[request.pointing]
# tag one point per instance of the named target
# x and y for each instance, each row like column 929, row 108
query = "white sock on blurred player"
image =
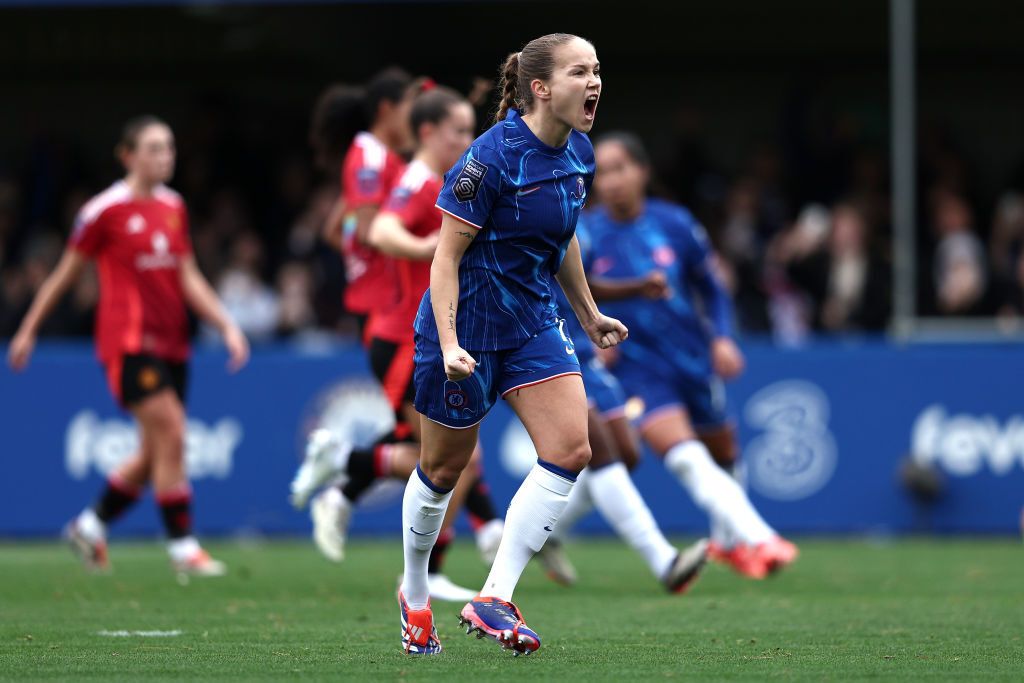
column 181, row 549
column 91, row 526
column 621, row 505
column 580, row 505
column 423, row 508
column 715, row 492
column 531, row 516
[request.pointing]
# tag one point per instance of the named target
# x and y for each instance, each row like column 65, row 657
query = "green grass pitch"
column 888, row 611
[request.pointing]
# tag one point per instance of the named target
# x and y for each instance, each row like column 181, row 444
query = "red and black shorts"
column 134, row 377
column 393, row 366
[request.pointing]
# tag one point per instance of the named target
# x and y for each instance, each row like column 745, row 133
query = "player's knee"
column 629, row 453
column 723, row 449
column 168, row 428
column 577, row 457
column 443, row 474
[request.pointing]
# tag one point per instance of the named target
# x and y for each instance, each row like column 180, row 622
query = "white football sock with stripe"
column 423, row 509
column 531, row 517
column 621, row 505
column 715, row 492
column 580, row 505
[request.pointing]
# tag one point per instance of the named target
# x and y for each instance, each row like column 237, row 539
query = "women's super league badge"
column 467, row 183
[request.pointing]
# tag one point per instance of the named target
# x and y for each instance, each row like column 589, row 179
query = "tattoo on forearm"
column 451, row 315
column 467, row 235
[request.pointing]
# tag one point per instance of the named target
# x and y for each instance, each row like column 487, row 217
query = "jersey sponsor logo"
column 467, row 183
column 161, row 257
column 522, row 192
column 135, row 224
column 796, row 455
column 964, row 445
column 102, row 445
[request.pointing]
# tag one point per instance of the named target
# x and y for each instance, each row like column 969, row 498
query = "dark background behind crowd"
column 769, row 120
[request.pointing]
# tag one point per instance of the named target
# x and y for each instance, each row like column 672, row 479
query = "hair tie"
column 428, row 84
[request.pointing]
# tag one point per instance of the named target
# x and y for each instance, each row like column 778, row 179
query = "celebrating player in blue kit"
column 651, row 264
column 488, row 325
column 606, row 484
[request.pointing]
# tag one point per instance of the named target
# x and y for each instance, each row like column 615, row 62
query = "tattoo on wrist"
column 463, row 233
column 451, row 315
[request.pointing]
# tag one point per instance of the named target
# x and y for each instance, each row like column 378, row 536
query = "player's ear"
column 540, row 89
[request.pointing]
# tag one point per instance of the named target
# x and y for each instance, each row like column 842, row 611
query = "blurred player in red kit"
column 137, row 232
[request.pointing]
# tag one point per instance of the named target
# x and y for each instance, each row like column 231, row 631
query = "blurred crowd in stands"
column 802, row 228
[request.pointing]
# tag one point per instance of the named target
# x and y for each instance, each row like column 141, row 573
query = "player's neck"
column 547, row 128
column 428, row 159
column 139, row 187
column 380, row 131
column 624, row 213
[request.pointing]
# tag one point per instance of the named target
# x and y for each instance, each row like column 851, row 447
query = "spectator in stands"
column 844, row 277
column 249, row 302
column 959, row 269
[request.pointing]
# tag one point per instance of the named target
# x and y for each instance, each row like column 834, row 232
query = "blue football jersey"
column 523, row 197
column 677, row 329
column 584, row 347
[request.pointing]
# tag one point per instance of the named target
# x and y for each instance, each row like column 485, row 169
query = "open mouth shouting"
column 590, row 107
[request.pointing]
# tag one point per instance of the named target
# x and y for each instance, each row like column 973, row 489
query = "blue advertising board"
column 824, row 431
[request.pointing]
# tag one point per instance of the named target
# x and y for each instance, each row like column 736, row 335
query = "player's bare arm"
column 603, row 331
column 64, row 275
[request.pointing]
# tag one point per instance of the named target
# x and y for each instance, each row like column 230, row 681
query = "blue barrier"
column 823, row 432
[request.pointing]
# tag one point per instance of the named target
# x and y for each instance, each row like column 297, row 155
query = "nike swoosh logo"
column 523, row 193
column 547, row 528
column 418, row 533
column 570, row 351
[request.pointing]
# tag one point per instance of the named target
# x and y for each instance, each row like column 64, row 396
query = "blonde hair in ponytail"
column 535, row 61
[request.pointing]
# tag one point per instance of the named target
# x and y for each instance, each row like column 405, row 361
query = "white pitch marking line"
column 140, row 634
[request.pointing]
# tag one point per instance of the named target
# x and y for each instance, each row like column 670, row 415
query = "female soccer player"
column 488, row 326
column 389, row 339
column 372, row 126
column 137, row 231
column 369, row 128
column 606, row 484
column 680, row 346
column 406, row 230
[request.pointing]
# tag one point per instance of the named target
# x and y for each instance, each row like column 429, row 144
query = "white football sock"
column 423, row 511
column 531, row 516
column 180, row 549
column 620, row 504
column 715, row 492
column 580, row 505
column 91, row 526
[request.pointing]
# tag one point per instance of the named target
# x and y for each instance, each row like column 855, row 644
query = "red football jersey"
column 368, row 175
column 413, row 202
column 138, row 244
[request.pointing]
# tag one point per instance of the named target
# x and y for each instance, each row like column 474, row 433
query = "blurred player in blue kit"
column 606, row 484
column 651, row 263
